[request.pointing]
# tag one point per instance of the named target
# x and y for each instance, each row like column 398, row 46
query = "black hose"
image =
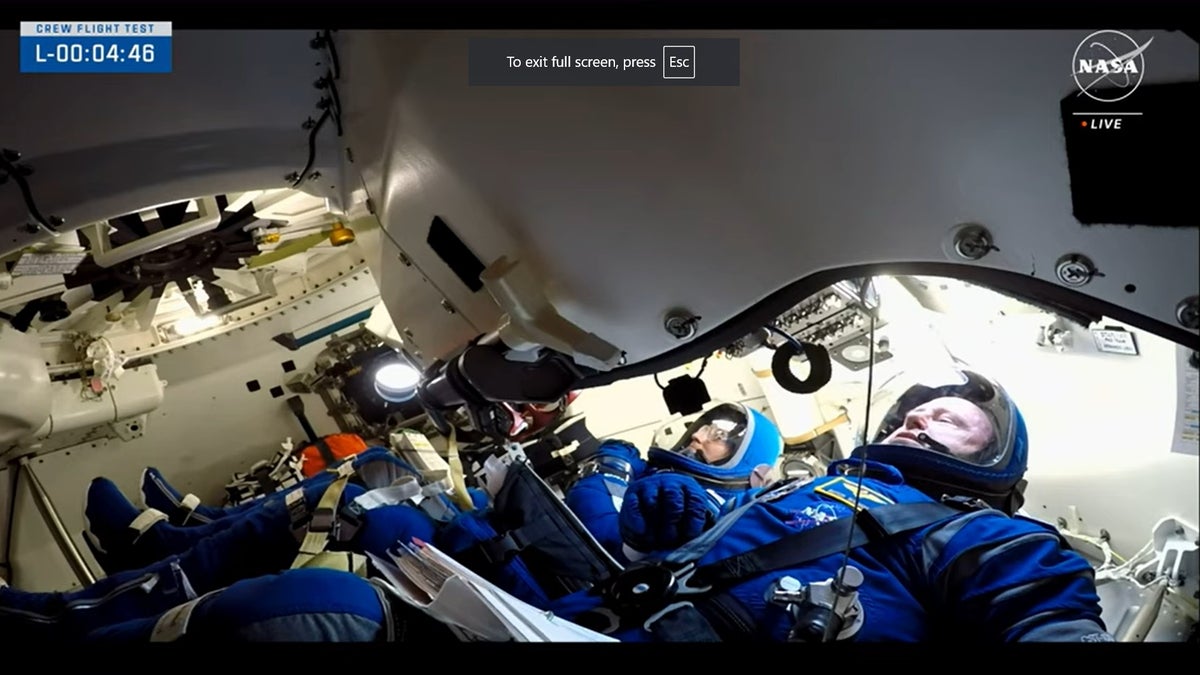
column 18, row 175
column 312, row 148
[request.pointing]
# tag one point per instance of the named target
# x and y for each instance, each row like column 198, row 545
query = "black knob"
column 814, row 623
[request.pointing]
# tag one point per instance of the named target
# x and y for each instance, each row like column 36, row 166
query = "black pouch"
column 538, row 527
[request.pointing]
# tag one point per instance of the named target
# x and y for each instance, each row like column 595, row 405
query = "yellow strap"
column 314, row 542
column 809, row 435
column 459, row 494
column 343, row 561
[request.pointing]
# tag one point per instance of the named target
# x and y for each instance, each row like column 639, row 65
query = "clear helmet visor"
column 957, row 413
column 714, row 437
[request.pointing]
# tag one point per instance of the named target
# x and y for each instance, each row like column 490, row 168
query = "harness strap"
column 173, row 623
column 682, row 622
column 144, row 521
column 326, row 453
column 501, row 549
column 189, row 502
column 459, row 494
column 708, row 608
column 818, row 542
column 321, row 523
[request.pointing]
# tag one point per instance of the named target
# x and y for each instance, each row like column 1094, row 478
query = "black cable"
column 862, row 470
column 703, row 365
column 333, row 55
column 335, row 67
column 312, row 148
column 786, row 335
column 18, row 174
column 337, row 106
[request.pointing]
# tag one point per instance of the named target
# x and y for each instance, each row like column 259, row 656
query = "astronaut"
column 373, row 468
column 913, row 538
column 728, row 449
column 247, row 576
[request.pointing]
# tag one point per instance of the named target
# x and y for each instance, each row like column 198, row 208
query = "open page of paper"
column 537, row 625
column 456, row 604
column 1186, row 439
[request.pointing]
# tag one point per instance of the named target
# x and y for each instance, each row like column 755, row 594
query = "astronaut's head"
column 957, row 426
column 729, row 444
column 958, row 434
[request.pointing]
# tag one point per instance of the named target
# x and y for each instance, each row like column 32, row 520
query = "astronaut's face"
column 956, row 423
column 711, row 444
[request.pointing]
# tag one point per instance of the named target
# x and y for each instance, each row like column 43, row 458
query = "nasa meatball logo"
column 1108, row 65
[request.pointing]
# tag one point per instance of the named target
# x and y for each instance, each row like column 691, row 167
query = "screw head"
column 973, row 242
column 1187, row 312
column 681, row 324
column 1074, row 269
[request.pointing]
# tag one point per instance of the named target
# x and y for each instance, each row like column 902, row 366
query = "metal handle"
column 57, row 529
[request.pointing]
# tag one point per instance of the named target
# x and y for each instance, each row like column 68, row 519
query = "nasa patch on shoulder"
column 1097, row 637
column 852, row 493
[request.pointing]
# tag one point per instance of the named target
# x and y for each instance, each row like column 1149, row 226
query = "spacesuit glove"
column 663, row 511
column 625, row 451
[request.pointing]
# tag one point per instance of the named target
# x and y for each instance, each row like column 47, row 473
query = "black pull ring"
column 818, row 359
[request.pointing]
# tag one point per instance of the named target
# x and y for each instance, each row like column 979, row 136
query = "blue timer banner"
column 95, row 47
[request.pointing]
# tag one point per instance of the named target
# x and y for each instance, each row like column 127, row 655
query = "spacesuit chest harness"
column 680, row 601
column 328, row 523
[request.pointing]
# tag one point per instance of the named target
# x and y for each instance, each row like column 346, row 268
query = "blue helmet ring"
column 723, row 446
column 958, row 435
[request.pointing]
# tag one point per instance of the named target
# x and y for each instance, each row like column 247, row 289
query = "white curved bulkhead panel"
column 223, row 120
column 837, row 148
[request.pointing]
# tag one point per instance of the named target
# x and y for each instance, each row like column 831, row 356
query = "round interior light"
column 856, row 353
column 397, row 382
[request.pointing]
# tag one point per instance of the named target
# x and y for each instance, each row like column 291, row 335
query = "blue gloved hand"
column 665, row 510
column 623, row 450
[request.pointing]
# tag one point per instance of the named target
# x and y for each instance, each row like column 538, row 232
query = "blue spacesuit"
column 374, row 467
column 727, row 450
column 913, row 538
column 229, row 578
